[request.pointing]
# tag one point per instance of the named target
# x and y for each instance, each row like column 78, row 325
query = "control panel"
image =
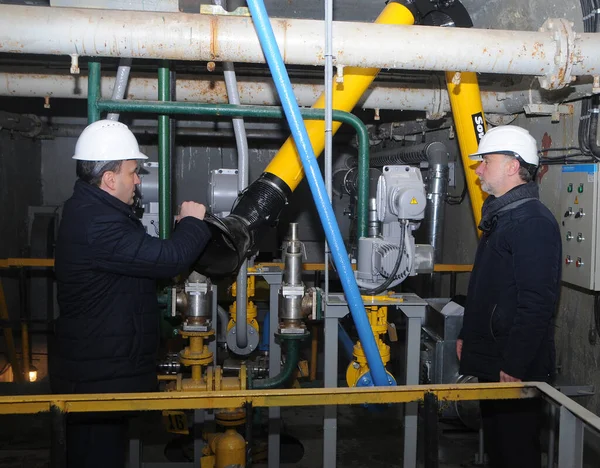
column 579, row 225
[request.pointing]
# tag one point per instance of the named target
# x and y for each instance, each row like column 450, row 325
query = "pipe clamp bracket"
column 564, row 37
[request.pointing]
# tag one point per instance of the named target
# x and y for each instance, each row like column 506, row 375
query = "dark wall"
column 20, row 187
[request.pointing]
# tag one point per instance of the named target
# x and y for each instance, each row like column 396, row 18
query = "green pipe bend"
column 230, row 110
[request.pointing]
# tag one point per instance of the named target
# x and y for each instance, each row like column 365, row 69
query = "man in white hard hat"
column 107, row 334
column 508, row 327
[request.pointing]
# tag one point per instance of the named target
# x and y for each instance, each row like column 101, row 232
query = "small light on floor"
column 32, row 374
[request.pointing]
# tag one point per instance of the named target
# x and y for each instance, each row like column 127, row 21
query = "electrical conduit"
column 311, row 168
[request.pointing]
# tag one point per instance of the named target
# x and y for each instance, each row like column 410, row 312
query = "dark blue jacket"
column 106, row 270
column 512, row 297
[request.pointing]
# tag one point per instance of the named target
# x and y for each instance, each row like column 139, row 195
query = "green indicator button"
column 580, row 188
column 570, row 188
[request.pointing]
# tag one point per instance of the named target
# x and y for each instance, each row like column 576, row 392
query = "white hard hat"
column 107, row 140
column 509, row 139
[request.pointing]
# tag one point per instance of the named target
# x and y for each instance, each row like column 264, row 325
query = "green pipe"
column 291, row 362
column 164, row 156
column 93, row 91
column 269, row 112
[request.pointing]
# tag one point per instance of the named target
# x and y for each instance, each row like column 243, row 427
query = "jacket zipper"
column 491, row 321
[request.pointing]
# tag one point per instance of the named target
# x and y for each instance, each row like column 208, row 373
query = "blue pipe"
column 317, row 187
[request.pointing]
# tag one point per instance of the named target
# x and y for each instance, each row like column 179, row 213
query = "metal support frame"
column 273, row 276
column 570, row 440
column 413, row 308
column 431, row 442
column 333, row 312
column 58, row 447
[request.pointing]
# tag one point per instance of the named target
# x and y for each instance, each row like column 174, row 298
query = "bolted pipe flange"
column 435, row 110
column 564, row 37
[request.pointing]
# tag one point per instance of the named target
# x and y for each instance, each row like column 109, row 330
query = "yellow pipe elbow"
column 467, row 111
column 287, row 164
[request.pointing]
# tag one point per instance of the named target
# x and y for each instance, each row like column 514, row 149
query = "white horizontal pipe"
column 180, row 36
column 261, row 91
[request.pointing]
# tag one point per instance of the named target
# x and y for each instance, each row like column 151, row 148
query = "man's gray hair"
column 92, row 171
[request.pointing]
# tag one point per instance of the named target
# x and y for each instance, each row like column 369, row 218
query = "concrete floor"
column 365, row 439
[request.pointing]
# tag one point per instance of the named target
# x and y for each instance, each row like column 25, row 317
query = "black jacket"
column 512, row 297
column 106, row 270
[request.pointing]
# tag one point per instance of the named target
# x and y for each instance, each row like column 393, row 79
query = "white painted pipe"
column 180, row 36
column 261, row 91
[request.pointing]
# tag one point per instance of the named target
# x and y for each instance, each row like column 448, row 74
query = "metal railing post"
column 570, row 440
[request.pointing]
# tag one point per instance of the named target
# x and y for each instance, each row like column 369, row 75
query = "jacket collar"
column 84, row 190
column 492, row 206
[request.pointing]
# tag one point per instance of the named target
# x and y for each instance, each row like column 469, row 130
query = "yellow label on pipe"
column 287, row 164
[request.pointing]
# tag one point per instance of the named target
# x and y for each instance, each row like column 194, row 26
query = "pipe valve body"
column 357, row 373
column 292, row 291
column 194, row 303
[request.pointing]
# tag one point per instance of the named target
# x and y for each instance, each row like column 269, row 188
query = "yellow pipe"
column 196, row 345
column 439, row 267
column 287, row 165
column 8, row 337
column 196, row 373
column 26, row 262
column 452, row 268
column 229, row 449
column 167, row 378
column 467, row 111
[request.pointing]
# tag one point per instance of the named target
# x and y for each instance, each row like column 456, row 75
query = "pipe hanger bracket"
column 564, row 36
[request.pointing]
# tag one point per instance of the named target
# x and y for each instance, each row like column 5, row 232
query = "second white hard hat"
column 107, row 140
column 508, row 139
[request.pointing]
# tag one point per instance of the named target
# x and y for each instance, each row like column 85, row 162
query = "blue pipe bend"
column 317, row 187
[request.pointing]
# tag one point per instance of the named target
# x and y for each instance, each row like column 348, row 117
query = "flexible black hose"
column 588, row 121
column 593, row 128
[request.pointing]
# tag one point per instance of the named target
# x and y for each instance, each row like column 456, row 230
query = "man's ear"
column 513, row 167
column 109, row 180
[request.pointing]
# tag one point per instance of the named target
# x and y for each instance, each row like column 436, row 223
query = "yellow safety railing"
column 30, row 404
column 572, row 416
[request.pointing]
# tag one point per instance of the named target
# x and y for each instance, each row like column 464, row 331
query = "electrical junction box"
column 579, row 225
